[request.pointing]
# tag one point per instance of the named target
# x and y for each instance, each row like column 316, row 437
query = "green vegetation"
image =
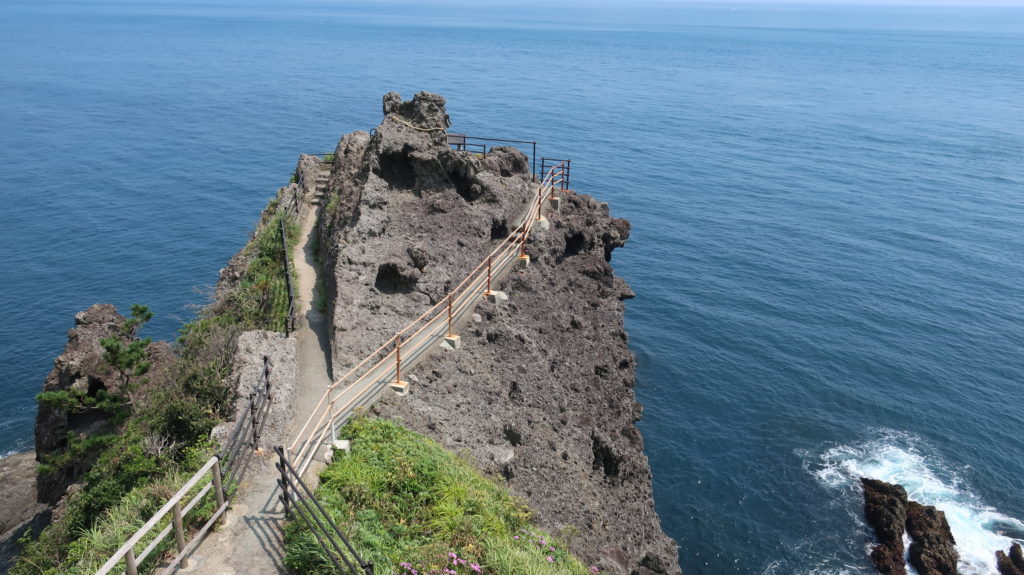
column 159, row 433
column 410, row 506
column 328, row 158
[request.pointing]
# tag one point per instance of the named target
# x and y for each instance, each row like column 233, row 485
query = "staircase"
column 322, row 178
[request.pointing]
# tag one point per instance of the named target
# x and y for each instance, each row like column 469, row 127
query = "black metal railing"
column 480, row 145
column 299, row 502
column 289, row 321
column 562, row 171
column 248, row 428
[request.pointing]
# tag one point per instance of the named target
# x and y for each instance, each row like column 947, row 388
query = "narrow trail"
column 250, row 540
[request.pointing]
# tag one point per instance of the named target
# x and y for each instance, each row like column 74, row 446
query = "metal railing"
column 478, row 144
column 299, row 502
column 222, row 482
column 289, row 321
column 562, row 169
column 383, row 367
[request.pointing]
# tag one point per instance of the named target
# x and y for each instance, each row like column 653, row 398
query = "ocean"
column 827, row 207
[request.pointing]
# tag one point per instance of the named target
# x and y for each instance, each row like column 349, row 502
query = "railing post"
column 255, row 423
column 218, row 486
column 368, row 568
column 179, row 533
column 565, row 180
column 450, row 334
column 330, row 410
column 533, row 158
column 489, row 259
column 398, row 358
column 282, row 481
column 130, row 566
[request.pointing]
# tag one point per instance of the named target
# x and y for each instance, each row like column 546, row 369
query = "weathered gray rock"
column 21, row 511
column 885, row 507
column 533, row 396
column 932, row 547
column 246, row 372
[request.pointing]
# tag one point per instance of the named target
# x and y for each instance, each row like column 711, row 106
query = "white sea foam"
column 979, row 530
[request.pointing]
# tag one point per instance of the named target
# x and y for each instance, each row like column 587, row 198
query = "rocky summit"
column 541, row 394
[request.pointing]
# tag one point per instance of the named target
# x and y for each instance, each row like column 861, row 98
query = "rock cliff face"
column 541, row 393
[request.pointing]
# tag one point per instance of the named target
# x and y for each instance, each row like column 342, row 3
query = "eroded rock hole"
column 465, row 187
column 397, row 170
column 575, row 244
column 499, row 229
column 605, row 457
column 390, row 279
column 513, row 436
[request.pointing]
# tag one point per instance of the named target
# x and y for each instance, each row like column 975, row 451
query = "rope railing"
column 382, row 367
column 225, row 470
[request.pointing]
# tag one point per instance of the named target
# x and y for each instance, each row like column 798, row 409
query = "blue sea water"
column 827, row 207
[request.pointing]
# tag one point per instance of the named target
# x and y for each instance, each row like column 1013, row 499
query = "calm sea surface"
column 828, row 212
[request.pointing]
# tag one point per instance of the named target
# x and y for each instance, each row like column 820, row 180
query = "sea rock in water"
column 932, row 549
column 885, row 507
column 1012, row 565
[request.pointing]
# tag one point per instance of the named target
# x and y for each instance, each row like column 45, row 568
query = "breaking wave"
column 979, row 529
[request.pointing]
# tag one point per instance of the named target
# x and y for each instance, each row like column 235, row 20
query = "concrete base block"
column 401, row 388
column 496, row 297
column 453, row 341
column 524, row 261
column 342, row 445
column 543, row 224
column 555, row 203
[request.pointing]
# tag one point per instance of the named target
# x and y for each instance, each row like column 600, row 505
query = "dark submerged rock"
column 1012, row 564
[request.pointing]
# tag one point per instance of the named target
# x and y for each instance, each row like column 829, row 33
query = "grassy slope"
column 408, row 504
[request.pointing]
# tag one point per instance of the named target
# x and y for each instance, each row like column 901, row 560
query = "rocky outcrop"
column 541, row 392
column 932, row 547
column 253, row 347
column 1012, row 564
column 404, row 217
column 82, row 370
column 21, row 511
column 885, row 507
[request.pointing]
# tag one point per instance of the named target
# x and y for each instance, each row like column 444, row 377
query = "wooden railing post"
column 330, row 410
column 218, row 487
column 450, row 334
column 130, row 566
column 489, row 261
column 398, row 358
column 179, row 532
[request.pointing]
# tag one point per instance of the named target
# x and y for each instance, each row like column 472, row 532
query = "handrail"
column 361, row 382
column 461, row 142
column 289, row 321
column 252, row 420
column 325, row 531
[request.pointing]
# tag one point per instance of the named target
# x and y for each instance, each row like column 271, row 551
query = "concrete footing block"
column 342, row 445
column 524, row 261
column 555, row 203
column 496, row 297
column 401, row 388
column 453, row 341
column 543, row 224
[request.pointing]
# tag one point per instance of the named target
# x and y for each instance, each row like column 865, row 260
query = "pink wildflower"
column 551, row 559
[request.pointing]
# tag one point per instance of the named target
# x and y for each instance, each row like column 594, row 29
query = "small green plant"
column 328, row 158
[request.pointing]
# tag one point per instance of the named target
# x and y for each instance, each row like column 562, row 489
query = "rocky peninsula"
column 540, row 394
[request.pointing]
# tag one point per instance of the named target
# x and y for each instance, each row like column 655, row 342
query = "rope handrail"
column 326, row 413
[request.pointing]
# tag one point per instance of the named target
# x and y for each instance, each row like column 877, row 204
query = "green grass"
column 406, row 503
column 140, row 460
